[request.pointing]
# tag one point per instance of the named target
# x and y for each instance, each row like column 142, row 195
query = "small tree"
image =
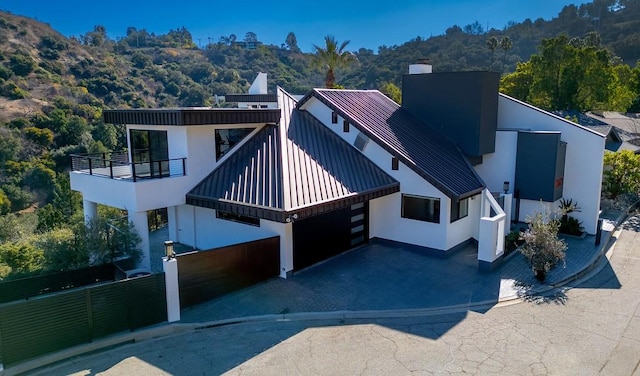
column 108, row 239
column 542, row 247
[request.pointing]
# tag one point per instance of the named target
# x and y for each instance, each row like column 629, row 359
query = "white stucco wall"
column 385, row 219
column 583, row 163
column 198, row 227
column 500, row 166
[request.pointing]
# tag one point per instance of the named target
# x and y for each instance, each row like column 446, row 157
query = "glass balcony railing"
column 118, row 166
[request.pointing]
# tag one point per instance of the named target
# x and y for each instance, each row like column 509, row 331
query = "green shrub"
column 571, row 226
column 22, row 64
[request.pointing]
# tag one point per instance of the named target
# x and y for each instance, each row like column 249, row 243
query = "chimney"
column 462, row 106
column 422, row 66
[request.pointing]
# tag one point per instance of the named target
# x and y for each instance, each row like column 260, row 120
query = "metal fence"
column 117, row 166
column 48, row 283
column 40, row 325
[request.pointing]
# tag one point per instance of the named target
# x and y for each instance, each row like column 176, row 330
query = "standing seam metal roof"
column 297, row 167
column 422, row 148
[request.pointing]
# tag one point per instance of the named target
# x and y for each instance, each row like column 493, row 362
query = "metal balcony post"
column 133, row 171
column 184, row 169
column 111, row 168
column 90, row 167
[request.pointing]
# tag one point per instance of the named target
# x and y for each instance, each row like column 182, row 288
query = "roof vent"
column 422, row 66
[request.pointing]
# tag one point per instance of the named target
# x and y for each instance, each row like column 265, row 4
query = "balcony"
column 118, row 166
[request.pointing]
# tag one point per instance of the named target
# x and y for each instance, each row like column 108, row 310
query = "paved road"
column 592, row 328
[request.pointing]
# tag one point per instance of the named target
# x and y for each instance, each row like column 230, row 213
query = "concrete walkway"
column 381, row 277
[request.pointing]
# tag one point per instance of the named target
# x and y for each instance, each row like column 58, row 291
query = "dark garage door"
column 317, row 238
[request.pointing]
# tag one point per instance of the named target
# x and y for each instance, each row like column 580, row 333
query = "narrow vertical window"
column 334, row 118
column 345, row 125
column 394, row 163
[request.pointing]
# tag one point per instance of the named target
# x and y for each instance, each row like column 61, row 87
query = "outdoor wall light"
column 505, row 187
column 168, row 249
column 291, row 218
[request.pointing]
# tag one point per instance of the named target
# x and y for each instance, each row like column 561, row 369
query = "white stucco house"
column 338, row 168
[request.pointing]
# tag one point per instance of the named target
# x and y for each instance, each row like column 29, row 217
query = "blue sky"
column 368, row 24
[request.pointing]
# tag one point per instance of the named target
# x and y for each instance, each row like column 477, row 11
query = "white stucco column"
column 172, row 218
column 90, row 210
column 508, row 201
column 170, row 267
column 286, row 250
column 141, row 224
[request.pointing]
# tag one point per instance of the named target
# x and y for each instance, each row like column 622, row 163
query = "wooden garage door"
column 318, row 238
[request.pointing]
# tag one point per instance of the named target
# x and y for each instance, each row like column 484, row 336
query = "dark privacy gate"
column 208, row 274
column 320, row 237
column 30, row 328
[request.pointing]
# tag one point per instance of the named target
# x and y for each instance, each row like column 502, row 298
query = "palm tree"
column 332, row 57
column 492, row 44
column 506, row 44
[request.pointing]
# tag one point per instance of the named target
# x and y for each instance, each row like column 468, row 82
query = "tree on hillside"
column 250, row 37
column 331, row 57
column 292, row 43
column 392, row 91
column 569, row 75
column 506, row 44
column 492, row 44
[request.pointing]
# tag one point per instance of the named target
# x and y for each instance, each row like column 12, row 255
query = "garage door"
column 317, row 238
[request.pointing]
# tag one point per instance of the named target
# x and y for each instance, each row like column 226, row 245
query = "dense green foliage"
column 572, row 74
column 621, row 173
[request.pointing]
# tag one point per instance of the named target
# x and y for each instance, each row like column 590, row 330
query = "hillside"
column 53, row 88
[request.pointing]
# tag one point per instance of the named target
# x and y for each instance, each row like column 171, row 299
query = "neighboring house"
column 625, row 130
column 621, row 132
column 340, row 167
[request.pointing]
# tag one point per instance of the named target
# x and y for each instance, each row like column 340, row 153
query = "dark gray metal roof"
column 299, row 167
column 423, row 149
column 191, row 116
column 251, row 98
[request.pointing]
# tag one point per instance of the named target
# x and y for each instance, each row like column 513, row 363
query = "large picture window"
column 237, row 218
column 459, row 209
column 226, row 139
column 421, row 208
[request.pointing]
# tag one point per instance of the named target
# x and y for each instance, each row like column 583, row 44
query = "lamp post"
column 168, row 249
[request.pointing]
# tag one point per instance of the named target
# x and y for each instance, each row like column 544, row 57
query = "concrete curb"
column 596, row 264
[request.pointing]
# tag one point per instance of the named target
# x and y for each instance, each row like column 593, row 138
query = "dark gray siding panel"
column 540, row 166
column 463, row 106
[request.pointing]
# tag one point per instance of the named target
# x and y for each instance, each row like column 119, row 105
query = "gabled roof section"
column 432, row 156
column 299, row 167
